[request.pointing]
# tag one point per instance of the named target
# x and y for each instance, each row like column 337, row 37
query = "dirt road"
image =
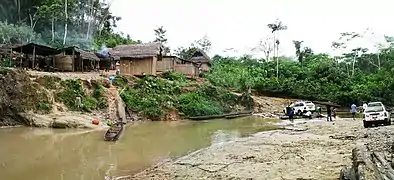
column 308, row 150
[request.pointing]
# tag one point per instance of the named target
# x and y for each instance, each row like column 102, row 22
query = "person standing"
column 365, row 106
column 329, row 115
column 334, row 113
column 291, row 115
column 318, row 111
column 353, row 110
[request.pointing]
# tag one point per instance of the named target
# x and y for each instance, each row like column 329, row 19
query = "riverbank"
column 73, row 100
column 315, row 149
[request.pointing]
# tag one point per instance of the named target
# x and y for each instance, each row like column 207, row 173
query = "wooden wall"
column 205, row 67
column 186, row 69
column 63, row 62
column 166, row 64
column 137, row 66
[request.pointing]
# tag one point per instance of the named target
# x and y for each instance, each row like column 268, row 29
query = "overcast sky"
column 241, row 24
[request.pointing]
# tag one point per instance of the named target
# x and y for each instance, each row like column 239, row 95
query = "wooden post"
column 21, row 57
column 34, row 56
column 11, row 54
column 81, row 61
column 73, row 59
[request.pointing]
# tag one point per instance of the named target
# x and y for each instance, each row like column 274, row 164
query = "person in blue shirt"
column 111, row 79
column 353, row 110
column 291, row 115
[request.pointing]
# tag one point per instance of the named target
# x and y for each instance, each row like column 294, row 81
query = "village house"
column 74, row 59
column 202, row 60
column 148, row 58
column 138, row 59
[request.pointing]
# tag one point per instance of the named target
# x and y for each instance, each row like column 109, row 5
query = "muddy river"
column 49, row 154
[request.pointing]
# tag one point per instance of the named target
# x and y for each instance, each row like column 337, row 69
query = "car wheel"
column 299, row 112
column 366, row 124
column 388, row 122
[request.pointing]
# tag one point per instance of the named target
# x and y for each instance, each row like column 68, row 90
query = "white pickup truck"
column 376, row 113
column 301, row 107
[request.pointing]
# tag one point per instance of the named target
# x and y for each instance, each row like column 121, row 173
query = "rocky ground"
column 312, row 149
column 66, row 120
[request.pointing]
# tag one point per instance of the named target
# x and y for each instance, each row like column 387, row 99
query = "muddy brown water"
column 49, row 154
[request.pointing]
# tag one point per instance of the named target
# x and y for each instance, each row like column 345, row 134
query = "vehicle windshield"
column 374, row 104
column 374, row 109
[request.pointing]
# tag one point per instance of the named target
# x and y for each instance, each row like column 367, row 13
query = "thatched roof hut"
column 136, row 50
column 36, row 49
column 83, row 54
column 200, row 56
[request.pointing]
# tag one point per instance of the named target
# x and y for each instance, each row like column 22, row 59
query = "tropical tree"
column 160, row 37
column 275, row 28
column 266, row 46
column 204, row 44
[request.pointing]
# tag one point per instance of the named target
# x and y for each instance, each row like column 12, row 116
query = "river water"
column 60, row 154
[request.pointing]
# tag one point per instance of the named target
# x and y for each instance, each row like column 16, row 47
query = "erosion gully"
column 69, row 154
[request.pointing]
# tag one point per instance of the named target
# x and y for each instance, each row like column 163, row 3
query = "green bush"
column 153, row 96
column 73, row 89
column 44, row 107
column 51, row 82
column 174, row 76
column 120, row 81
column 89, row 104
column 195, row 104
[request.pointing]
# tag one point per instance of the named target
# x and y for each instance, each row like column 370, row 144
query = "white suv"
column 301, row 107
column 376, row 113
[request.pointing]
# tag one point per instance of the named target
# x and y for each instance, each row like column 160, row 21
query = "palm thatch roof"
column 88, row 55
column 200, row 56
column 39, row 49
column 136, row 50
column 84, row 54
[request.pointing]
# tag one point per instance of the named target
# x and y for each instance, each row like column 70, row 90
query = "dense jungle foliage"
column 317, row 77
column 87, row 24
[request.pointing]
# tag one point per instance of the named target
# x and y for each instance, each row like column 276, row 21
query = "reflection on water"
column 49, row 154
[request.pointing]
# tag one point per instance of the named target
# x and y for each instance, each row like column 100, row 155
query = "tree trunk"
column 277, row 58
column 90, row 20
column 53, row 28
column 367, row 165
column 19, row 9
column 66, row 23
column 354, row 62
column 378, row 54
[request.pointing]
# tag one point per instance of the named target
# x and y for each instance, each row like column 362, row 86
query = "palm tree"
column 276, row 27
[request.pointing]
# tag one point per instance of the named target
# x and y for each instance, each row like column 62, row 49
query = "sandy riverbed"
column 308, row 150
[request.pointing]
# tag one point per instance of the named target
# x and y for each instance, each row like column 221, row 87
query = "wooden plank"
column 34, row 56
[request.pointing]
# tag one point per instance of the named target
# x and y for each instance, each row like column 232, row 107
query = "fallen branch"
column 386, row 168
column 367, row 165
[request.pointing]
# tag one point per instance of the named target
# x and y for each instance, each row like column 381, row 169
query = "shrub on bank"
column 71, row 89
column 154, row 97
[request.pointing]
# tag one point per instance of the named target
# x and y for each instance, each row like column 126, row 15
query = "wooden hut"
column 38, row 56
column 106, row 60
column 202, row 59
column 138, row 59
column 75, row 59
column 174, row 63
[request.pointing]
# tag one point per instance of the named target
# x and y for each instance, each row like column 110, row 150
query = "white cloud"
column 241, row 24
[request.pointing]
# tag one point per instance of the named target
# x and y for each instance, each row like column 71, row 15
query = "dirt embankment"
column 313, row 150
column 31, row 98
